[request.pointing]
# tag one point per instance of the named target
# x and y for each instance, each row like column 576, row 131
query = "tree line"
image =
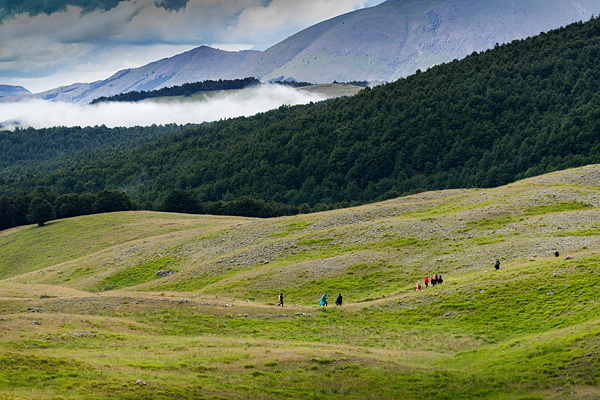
column 515, row 111
column 186, row 89
column 43, row 205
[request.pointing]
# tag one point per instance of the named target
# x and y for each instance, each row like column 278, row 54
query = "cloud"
column 77, row 39
column 41, row 114
column 280, row 15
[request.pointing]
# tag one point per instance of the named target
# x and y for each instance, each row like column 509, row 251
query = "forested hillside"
column 181, row 90
column 517, row 110
column 25, row 147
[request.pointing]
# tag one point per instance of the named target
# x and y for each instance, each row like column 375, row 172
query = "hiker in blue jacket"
column 324, row 300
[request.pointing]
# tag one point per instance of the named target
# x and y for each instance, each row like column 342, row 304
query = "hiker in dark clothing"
column 556, row 253
column 280, row 300
column 440, row 280
column 434, row 280
column 338, row 301
column 497, row 265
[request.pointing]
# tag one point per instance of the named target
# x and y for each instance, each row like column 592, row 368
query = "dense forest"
column 25, row 147
column 186, row 89
column 518, row 110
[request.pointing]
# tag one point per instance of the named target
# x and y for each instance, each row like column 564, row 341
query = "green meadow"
column 83, row 314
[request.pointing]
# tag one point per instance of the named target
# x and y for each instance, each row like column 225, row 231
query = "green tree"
column 40, row 211
column 8, row 214
column 67, row 206
column 181, row 201
column 111, row 201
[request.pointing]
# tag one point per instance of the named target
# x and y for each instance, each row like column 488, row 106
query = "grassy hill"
column 84, row 316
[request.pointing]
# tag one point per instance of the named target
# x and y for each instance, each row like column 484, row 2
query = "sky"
column 49, row 43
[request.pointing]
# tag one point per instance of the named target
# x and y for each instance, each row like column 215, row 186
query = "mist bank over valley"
column 222, row 105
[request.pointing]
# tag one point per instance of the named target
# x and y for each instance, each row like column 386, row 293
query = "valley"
column 157, row 250
column 94, row 321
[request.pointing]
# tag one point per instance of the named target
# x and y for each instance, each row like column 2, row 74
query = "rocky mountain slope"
column 380, row 43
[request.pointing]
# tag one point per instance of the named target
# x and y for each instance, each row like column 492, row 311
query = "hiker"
column 433, row 280
column 418, row 286
column 426, row 281
column 497, row 265
column 440, row 280
column 338, row 301
column 280, row 300
column 556, row 253
column 324, row 300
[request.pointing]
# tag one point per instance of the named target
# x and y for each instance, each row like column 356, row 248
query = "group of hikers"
column 435, row 280
column 338, row 301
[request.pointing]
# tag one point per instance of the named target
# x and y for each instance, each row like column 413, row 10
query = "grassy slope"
column 28, row 248
column 529, row 330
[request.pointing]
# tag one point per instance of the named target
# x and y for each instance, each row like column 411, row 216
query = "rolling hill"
column 382, row 43
column 84, row 315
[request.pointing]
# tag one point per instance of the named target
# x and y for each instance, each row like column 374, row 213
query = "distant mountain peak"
column 382, row 43
column 9, row 90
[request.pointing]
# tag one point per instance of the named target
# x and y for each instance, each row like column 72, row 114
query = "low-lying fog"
column 43, row 114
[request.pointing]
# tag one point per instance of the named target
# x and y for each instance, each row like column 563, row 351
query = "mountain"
column 398, row 37
column 8, row 90
column 381, row 43
column 514, row 111
column 200, row 64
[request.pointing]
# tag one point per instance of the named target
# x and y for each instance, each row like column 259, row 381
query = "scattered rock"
column 140, row 382
column 36, row 322
column 568, row 258
column 163, row 274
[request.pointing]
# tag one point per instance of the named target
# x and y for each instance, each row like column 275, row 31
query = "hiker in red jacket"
column 426, row 281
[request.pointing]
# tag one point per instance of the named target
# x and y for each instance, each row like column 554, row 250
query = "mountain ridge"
column 382, row 43
column 11, row 90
